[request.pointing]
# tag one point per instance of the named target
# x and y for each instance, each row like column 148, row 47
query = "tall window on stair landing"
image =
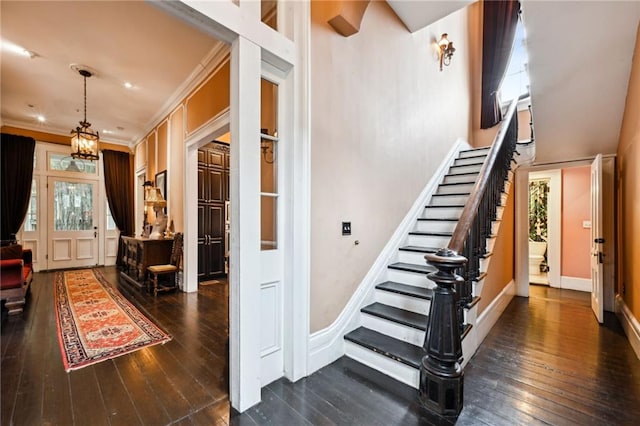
column 516, row 80
column 268, row 165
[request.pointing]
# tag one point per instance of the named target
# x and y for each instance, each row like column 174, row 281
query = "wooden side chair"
column 171, row 269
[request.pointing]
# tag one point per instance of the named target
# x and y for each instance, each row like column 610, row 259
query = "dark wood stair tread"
column 461, row 174
column 397, row 315
column 433, row 234
column 465, row 165
column 419, row 249
column 482, row 154
column 456, row 183
column 406, row 290
column 443, row 206
column 482, row 148
column 382, row 344
column 449, row 195
column 412, row 267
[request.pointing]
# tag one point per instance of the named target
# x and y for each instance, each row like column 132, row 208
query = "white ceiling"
column 122, row 41
column 418, row 14
column 580, row 56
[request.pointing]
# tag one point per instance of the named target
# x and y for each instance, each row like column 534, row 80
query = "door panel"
column 72, row 223
column 597, row 240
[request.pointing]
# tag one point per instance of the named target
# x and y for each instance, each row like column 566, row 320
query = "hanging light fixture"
column 84, row 142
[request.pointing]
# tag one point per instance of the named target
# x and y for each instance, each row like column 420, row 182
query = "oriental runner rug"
column 96, row 322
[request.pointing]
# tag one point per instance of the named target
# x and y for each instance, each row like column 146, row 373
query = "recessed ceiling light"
column 41, row 118
column 12, row 47
column 128, row 85
column 106, row 132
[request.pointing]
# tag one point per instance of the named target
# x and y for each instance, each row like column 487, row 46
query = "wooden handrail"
column 461, row 232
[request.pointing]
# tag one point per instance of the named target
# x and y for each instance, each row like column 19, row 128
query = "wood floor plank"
column 149, row 408
column 86, row 397
column 117, row 401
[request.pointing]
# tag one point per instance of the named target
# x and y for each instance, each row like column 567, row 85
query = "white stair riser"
column 428, row 241
column 436, row 225
column 408, row 303
column 449, row 200
column 393, row 329
column 465, row 169
column 399, row 371
column 414, row 257
column 469, row 347
column 473, row 153
column 469, row 160
column 442, row 212
column 460, row 178
column 455, row 189
column 409, row 278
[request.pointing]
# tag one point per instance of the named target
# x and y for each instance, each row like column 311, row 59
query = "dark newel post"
column 441, row 377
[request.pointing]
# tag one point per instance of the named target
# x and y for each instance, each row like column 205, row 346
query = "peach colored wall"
column 163, row 149
column 628, row 185
column 382, row 119
column 500, row 271
column 576, row 208
column 161, row 146
column 175, row 173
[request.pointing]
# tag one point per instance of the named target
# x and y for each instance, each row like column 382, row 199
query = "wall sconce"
column 446, row 50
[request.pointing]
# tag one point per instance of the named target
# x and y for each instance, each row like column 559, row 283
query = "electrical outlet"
column 346, row 228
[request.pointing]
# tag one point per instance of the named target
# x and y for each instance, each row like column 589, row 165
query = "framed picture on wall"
column 161, row 182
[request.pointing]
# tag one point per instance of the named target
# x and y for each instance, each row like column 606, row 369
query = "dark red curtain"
column 118, row 182
column 499, row 28
column 16, row 173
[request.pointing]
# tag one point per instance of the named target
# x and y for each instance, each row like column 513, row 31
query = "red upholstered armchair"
column 16, row 273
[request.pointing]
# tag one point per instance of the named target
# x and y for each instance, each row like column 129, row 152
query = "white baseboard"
column 629, row 323
column 573, row 283
column 327, row 345
column 488, row 317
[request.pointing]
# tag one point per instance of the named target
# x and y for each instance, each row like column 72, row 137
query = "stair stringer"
column 327, row 345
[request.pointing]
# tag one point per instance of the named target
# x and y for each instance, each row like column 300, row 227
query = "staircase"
column 392, row 329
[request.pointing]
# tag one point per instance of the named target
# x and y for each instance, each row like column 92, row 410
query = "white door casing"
column 597, row 240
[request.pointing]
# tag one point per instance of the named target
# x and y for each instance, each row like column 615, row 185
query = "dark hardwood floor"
column 546, row 361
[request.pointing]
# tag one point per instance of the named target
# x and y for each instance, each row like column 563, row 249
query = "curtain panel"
column 500, row 19
column 16, row 174
column 118, row 182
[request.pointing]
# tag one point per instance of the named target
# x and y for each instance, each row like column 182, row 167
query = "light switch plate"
column 346, row 228
column 586, row 224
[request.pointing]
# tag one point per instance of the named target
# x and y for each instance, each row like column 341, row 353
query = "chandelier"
column 84, row 141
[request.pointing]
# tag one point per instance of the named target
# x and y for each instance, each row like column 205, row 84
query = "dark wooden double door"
column 213, row 195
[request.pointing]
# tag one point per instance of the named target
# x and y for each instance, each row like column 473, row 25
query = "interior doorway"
column 538, row 230
column 214, row 161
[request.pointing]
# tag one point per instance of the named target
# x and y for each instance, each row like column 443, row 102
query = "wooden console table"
column 140, row 253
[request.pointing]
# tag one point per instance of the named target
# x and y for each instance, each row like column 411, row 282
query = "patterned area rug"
column 96, row 322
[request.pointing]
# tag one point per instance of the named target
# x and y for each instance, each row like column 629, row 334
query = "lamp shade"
column 155, row 198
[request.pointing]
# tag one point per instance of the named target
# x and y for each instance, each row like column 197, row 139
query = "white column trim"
column 244, row 274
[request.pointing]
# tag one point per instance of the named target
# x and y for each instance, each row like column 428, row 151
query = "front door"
column 72, row 223
column 597, row 240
